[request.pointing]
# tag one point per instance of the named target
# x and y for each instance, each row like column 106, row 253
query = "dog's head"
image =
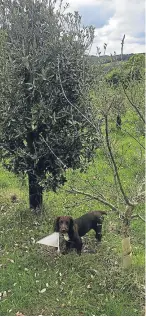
column 64, row 224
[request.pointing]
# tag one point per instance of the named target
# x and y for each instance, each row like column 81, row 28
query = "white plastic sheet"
column 52, row 240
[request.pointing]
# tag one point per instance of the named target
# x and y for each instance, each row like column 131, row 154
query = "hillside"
column 104, row 59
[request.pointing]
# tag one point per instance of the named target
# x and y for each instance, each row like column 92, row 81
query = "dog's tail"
column 100, row 213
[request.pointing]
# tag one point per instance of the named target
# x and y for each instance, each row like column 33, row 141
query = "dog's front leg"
column 79, row 245
column 68, row 247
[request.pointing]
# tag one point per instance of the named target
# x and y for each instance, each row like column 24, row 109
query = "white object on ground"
column 52, row 240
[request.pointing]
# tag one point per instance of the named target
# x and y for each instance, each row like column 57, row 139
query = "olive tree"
column 43, row 64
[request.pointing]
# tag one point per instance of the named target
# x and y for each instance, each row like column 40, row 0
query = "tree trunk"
column 127, row 252
column 35, row 192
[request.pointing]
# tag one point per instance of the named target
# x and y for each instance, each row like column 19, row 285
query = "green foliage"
column 113, row 77
column 137, row 61
column 133, row 69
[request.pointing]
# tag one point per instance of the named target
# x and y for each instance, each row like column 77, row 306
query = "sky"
column 112, row 19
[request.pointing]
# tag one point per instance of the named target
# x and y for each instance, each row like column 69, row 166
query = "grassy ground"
column 36, row 281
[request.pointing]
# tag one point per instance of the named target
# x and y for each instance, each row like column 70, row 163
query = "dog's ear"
column 71, row 224
column 56, row 224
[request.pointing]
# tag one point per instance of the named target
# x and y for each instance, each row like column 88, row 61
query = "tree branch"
column 64, row 166
column 132, row 137
column 115, row 165
column 138, row 216
column 106, row 203
column 133, row 105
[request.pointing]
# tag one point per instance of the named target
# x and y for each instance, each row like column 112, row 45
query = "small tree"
column 116, row 189
column 41, row 133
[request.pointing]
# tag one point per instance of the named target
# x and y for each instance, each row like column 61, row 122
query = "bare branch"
column 141, row 218
column 133, row 105
column 132, row 137
column 106, row 203
column 138, row 216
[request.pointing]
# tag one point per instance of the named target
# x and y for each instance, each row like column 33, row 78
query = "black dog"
column 79, row 227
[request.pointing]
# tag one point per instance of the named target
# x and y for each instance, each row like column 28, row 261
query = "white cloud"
column 128, row 19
